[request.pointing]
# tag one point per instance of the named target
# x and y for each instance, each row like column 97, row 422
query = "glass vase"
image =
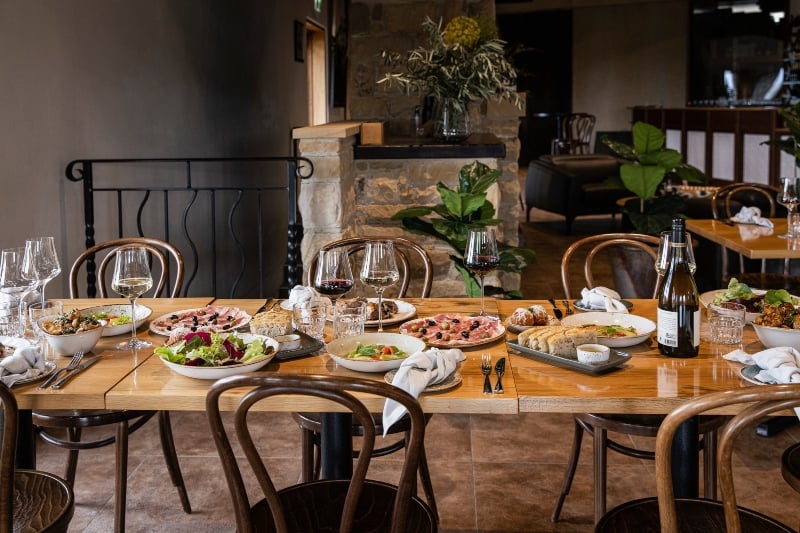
column 451, row 120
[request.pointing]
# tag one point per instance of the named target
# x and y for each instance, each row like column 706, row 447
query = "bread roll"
column 272, row 323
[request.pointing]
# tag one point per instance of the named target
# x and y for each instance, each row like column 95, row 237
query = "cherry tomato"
column 387, row 350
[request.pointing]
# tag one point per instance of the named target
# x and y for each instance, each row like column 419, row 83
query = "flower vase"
column 451, row 120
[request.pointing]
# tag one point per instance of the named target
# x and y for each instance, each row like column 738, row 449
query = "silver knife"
column 83, row 366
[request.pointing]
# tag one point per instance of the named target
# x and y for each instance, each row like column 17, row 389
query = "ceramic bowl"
column 218, row 372
column 771, row 337
column 114, row 310
column 69, row 344
column 339, row 348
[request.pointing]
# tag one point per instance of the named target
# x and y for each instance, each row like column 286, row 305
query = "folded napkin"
column 780, row 364
column 417, row 372
column 751, row 232
column 603, row 298
column 751, row 215
column 301, row 295
column 26, row 362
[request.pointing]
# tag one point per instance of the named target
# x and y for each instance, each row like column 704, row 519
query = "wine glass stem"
column 44, row 284
column 789, row 229
column 133, row 321
column 483, row 313
column 380, row 310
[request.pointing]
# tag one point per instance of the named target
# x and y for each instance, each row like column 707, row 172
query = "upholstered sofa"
column 573, row 185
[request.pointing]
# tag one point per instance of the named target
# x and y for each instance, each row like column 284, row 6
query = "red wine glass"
column 481, row 255
column 334, row 276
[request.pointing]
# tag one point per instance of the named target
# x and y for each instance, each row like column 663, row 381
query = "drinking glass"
column 334, row 276
column 664, row 248
column 481, row 255
column 40, row 263
column 38, row 310
column 310, row 318
column 379, row 270
column 13, row 285
column 349, row 318
column 131, row 278
column 789, row 197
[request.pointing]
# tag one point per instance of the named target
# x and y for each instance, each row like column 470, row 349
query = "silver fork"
column 566, row 304
column 486, row 368
column 73, row 364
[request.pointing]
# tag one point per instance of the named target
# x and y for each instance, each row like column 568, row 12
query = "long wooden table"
column 648, row 383
column 740, row 238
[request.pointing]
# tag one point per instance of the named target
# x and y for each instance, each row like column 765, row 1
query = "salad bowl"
column 341, row 349
column 220, row 371
column 117, row 317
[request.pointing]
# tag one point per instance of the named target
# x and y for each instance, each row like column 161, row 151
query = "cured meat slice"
column 454, row 329
column 210, row 318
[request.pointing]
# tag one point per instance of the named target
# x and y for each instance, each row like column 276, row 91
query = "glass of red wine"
column 481, row 255
column 334, row 276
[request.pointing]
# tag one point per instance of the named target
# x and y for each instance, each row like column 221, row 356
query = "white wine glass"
column 40, row 264
column 12, row 283
column 333, row 277
column 379, row 270
column 789, row 197
column 481, row 255
column 132, row 278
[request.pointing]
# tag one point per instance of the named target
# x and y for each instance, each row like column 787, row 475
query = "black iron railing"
column 234, row 219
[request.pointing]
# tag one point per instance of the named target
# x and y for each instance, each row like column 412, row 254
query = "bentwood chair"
column 725, row 203
column 412, row 258
column 643, row 282
column 576, row 134
column 356, row 504
column 30, row 500
column 50, row 424
column 697, row 514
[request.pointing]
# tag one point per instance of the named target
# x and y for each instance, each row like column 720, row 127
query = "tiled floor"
column 490, row 473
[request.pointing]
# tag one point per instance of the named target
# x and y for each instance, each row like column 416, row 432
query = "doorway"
column 316, row 65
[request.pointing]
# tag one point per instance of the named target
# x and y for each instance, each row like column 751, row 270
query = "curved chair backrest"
column 161, row 252
column 402, row 508
column 8, row 457
column 763, row 400
column 596, row 243
column 748, row 193
column 404, row 248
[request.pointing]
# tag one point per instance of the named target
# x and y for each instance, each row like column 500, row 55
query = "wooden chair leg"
column 171, row 458
column 72, row 455
column 307, row 455
column 709, row 464
column 122, row 477
column 574, row 455
column 600, row 463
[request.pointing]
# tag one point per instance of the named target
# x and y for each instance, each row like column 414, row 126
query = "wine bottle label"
column 667, row 326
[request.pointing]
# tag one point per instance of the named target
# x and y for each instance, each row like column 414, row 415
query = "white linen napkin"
column 417, row 372
column 752, row 232
column 603, row 298
column 301, row 294
column 780, row 364
column 751, row 215
column 27, row 362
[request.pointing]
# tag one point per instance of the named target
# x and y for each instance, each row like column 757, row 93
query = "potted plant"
column 648, row 163
column 789, row 145
column 464, row 60
column 461, row 208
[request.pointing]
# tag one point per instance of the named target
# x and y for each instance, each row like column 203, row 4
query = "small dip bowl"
column 592, row 353
column 288, row 342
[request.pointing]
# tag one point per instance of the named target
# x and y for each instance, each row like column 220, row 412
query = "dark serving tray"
column 308, row 345
column 615, row 359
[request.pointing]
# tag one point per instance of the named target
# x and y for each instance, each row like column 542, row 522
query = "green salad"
column 376, row 352
column 213, row 349
column 754, row 303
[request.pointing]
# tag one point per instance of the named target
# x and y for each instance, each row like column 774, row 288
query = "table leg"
column 336, row 445
column 685, row 463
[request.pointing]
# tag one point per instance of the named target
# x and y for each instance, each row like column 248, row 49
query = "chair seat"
column 790, row 466
column 323, row 502
column 42, row 502
column 694, row 515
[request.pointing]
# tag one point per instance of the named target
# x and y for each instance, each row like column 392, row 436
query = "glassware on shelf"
column 132, row 278
column 481, row 256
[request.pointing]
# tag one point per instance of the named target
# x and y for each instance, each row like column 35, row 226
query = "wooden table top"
column 755, row 242
column 648, row 383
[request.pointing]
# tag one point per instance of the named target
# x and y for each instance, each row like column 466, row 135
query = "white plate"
column 428, row 328
column 405, row 311
column 218, row 372
column 156, row 325
column 339, row 348
column 448, row 383
column 49, row 368
column 643, row 326
column 11, row 344
column 580, row 306
column 750, row 372
column 142, row 313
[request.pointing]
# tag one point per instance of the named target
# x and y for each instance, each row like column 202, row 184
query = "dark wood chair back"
column 405, row 250
column 355, row 504
column 167, row 258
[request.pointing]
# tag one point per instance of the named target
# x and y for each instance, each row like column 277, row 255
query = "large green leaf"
column 623, row 150
column 642, row 180
column 460, row 204
column 471, row 285
column 412, row 212
column 668, row 159
column 476, row 178
column 647, row 138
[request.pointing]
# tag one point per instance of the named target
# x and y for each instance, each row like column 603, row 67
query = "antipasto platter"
column 454, row 330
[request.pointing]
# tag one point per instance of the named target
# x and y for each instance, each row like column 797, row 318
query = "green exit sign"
column 318, row 6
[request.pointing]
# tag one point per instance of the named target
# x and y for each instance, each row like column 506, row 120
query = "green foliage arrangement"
column 464, row 60
column 648, row 163
column 791, row 144
column 461, row 209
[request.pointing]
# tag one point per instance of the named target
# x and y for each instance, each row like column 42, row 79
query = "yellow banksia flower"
column 464, row 31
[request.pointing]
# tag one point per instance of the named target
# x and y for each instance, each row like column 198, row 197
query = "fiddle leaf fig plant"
column 648, row 163
column 791, row 144
column 462, row 208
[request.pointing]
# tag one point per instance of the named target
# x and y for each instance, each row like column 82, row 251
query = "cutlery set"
column 75, row 367
column 556, row 311
column 486, row 369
